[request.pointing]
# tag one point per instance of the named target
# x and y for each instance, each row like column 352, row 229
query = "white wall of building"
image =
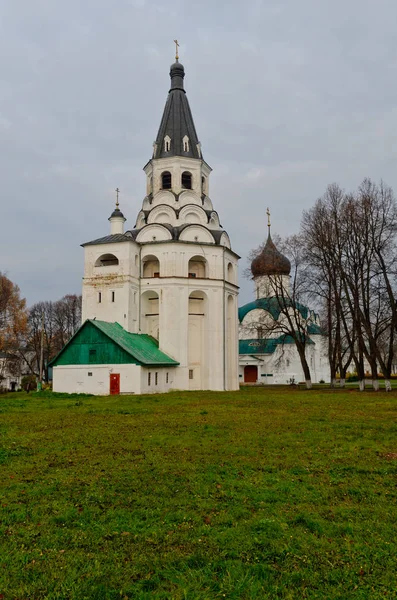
column 284, row 365
column 155, row 380
column 111, row 293
column 74, row 379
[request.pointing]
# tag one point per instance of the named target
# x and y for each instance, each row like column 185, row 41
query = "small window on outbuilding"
column 99, row 297
column 156, row 378
column 166, row 377
column 113, row 296
column 187, row 180
column 149, row 378
column 190, row 373
column 92, row 355
column 166, row 180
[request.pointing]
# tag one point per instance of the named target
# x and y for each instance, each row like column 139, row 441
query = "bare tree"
column 287, row 296
column 350, row 244
column 13, row 322
column 60, row 319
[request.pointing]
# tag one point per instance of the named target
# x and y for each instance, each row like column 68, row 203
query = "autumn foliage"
column 13, row 316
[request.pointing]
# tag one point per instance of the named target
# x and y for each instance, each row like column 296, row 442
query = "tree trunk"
column 374, row 374
column 342, row 382
column 333, row 382
column 387, row 385
column 308, row 384
column 362, row 385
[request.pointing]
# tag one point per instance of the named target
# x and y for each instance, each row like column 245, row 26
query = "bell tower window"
column 185, row 142
column 166, row 180
column 167, row 143
column 187, row 180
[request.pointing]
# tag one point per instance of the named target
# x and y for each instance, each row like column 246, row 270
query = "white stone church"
column 267, row 352
column 159, row 300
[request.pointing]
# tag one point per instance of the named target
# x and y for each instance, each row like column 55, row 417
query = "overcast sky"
column 287, row 97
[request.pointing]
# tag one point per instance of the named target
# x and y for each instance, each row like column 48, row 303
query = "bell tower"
column 174, row 274
column 188, row 269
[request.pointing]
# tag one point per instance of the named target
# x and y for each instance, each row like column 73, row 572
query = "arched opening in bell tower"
column 166, row 180
column 231, row 343
column 198, row 341
column 198, row 267
column 150, row 266
column 150, row 313
column 107, row 260
column 186, row 180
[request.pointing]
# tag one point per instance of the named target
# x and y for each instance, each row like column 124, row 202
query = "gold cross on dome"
column 117, row 197
column 176, row 49
column 268, row 217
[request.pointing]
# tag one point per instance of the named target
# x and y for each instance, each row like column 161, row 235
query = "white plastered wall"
column 74, row 379
column 173, row 289
column 122, row 280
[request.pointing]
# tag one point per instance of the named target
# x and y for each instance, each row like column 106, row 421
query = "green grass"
column 263, row 493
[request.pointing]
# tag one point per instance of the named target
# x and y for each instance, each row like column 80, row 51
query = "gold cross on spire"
column 268, row 217
column 176, row 49
column 117, row 197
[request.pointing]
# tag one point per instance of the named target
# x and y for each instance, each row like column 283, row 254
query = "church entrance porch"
column 250, row 374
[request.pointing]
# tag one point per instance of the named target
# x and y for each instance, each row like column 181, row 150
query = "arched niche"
column 150, row 308
column 164, row 197
column 146, row 205
column 207, row 204
column 141, row 220
column 225, row 240
column 107, row 260
column 192, row 213
column 213, row 222
column 198, row 350
column 230, row 273
column 188, row 197
column 150, row 266
column 162, row 214
column 231, row 343
column 197, row 267
column 154, row 233
column 196, row 233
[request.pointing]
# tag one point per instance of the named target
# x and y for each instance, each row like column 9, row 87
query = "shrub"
column 28, row 383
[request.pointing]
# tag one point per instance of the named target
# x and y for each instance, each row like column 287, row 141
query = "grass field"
column 263, row 493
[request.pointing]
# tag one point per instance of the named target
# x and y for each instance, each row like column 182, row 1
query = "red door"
column 250, row 374
column 114, row 384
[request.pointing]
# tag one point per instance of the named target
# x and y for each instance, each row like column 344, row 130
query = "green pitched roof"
column 272, row 305
column 143, row 348
column 314, row 329
column 266, row 346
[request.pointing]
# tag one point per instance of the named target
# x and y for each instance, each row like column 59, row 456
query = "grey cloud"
column 287, row 97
